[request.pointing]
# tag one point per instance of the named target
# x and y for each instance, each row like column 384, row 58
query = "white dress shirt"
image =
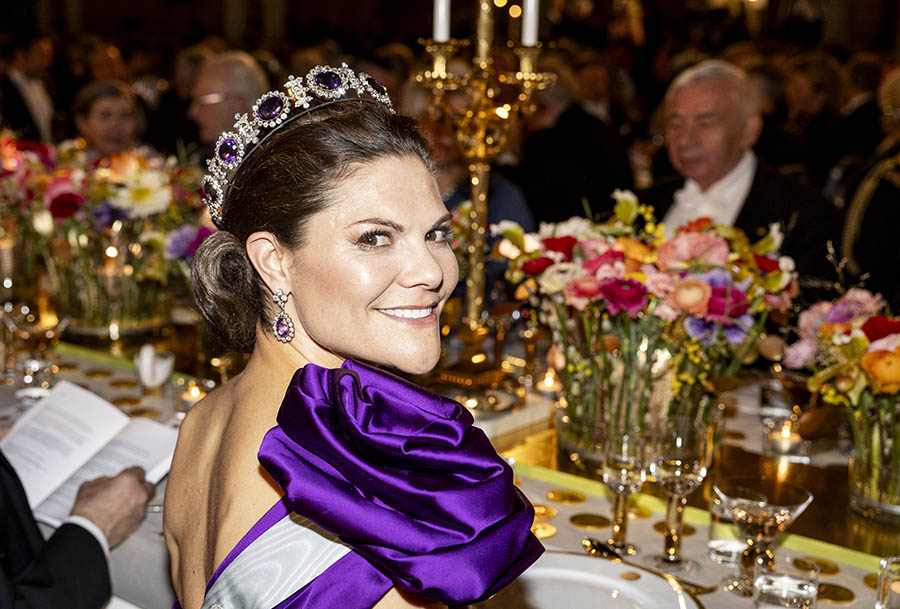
column 721, row 202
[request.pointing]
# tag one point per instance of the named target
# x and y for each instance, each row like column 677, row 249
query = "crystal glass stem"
column 620, row 521
column 757, row 552
column 674, row 523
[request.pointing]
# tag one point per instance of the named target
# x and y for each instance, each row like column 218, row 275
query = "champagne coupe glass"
column 624, row 472
column 761, row 508
column 681, row 458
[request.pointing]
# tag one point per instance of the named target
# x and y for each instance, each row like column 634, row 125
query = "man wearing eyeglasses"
column 226, row 85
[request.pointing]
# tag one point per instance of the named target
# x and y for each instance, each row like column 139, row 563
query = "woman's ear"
column 268, row 257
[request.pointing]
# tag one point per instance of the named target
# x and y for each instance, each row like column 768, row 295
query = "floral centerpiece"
column 103, row 238
column 632, row 312
column 853, row 351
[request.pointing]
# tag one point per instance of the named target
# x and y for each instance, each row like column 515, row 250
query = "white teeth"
column 408, row 313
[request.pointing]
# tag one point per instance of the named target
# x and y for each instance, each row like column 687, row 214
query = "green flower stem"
column 894, row 483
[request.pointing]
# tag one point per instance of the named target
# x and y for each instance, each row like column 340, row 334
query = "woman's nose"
column 423, row 269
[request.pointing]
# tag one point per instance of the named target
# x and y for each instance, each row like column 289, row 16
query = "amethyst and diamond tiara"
column 322, row 84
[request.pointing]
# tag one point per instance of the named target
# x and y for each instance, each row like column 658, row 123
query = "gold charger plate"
column 591, row 522
column 566, row 496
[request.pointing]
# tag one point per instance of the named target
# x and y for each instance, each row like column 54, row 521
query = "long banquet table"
column 828, row 529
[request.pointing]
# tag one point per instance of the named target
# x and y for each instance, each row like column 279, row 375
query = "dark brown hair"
column 277, row 188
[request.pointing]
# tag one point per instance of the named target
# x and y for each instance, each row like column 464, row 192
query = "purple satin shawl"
column 401, row 476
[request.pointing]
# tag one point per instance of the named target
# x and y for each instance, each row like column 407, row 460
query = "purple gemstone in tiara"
column 328, row 80
column 376, row 86
column 228, row 150
column 270, row 108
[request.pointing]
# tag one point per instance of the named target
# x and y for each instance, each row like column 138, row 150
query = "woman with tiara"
column 316, row 478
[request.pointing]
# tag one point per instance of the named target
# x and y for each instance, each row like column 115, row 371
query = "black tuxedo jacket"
column 808, row 219
column 14, row 111
column 68, row 571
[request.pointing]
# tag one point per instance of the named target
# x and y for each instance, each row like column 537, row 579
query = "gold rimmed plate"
column 578, row 581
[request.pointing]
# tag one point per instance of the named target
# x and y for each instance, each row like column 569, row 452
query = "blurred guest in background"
column 569, row 157
column 108, row 118
column 712, row 122
column 813, row 93
column 25, row 105
column 869, row 241
column 860, row 126
column 171, row 129
column 226, row 85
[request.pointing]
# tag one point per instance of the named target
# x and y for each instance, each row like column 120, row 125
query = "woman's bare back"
column 217, row 489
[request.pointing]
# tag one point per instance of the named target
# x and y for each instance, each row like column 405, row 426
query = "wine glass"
column 624, row 472
column 681, row 458
column 761, row 508
column 36, row 331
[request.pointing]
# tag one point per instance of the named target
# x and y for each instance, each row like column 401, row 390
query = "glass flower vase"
column 875, row 467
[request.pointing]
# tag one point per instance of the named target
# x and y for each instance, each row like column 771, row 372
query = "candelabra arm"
column 479, row 173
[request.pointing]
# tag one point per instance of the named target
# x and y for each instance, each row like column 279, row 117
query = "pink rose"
column 862, row 301
column 886, row 343
column 685, row 248
column 664, row 311
column 595, row 246
column 658, row 284
column 778, row 302
column 581, row 290
column 610, row 265
column 810, row 319
column 800, row 353
column 624, row 295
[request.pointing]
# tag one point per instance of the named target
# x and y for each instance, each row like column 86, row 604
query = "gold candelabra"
column 481, row 127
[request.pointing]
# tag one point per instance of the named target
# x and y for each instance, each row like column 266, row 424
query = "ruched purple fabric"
column 401, row 476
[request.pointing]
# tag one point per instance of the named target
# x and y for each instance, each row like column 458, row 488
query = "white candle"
column 530, row 18
column 441, row 20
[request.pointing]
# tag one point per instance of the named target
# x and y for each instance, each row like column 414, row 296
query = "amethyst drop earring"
column 282, row 325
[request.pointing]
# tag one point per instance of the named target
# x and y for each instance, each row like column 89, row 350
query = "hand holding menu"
column 73, row 435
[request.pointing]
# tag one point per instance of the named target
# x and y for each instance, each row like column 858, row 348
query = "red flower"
column 624, row 295
column 726, row 302
column 766, row 264
column 563, row 245
column 65, row 205
column 536, row 266
column 697, row 225
column 879, row 326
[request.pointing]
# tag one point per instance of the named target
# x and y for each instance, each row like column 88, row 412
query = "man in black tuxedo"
column 70, row 569
column 712, row 122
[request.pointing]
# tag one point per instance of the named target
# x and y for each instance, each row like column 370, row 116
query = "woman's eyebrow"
column 442, row 220
column 382, row 222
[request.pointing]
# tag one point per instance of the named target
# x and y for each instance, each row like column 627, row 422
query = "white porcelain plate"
column 570, row 581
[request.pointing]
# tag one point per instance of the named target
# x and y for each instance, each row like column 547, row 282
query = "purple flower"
column 841, row 312
column 701, row 330
column 707, row 331
column 178, row 243
column 624, row 295
column 714, row 277
column 202, row 233
column 106, row 214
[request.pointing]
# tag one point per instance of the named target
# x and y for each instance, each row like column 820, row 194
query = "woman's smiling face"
column 375, row 269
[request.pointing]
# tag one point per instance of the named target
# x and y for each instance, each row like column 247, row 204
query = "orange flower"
column 695, row 226
column 883, row 367
column 691, row 296
column 828, row 330
column 635, row 250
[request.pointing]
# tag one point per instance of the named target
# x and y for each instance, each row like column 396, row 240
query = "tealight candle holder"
column 782, row 439
column 189, row 394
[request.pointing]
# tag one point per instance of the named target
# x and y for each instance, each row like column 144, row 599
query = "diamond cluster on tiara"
column 273, row 109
